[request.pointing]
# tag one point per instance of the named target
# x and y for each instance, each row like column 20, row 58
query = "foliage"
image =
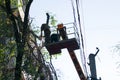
column 19, row 49
column 117, row 48
column 116, row 54
column 7, row 46
column 53, row 20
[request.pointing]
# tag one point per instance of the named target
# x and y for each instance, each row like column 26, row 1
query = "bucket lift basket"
column 72, row 43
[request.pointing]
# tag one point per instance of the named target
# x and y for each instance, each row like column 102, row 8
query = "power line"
column 76, row 13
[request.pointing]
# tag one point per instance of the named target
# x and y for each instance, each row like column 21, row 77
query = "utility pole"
column 92, row 65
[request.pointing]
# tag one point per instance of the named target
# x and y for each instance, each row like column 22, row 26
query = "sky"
column 100, row 20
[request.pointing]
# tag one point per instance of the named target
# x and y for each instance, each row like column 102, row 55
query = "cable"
column 75, row 22
column 73, row 8
column 52, row 67
column 81, row 35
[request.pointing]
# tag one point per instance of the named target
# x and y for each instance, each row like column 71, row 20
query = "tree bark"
column 19, row 41
column 20, row 47
column 20, row 51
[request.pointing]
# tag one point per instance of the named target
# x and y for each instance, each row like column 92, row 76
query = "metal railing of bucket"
column 72, row 31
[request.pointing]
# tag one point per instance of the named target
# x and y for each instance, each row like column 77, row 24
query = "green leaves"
column 53, row 21
column 32, row 59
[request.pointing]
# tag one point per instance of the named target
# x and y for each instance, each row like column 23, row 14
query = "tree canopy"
column 20, row 53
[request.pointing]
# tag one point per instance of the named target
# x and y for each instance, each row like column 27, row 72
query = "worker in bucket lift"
column 62, row 31
column 45, row 27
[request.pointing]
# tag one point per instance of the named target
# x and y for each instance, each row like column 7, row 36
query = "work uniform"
column 47, row 33
column 62, row 31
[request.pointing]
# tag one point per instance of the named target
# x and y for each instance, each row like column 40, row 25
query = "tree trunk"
column 21, row 45
column 20, row 51
column 20, row 38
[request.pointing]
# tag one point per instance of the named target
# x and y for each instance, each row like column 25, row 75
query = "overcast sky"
column 101, row 22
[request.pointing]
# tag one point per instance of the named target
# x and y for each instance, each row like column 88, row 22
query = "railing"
column 72, row 31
